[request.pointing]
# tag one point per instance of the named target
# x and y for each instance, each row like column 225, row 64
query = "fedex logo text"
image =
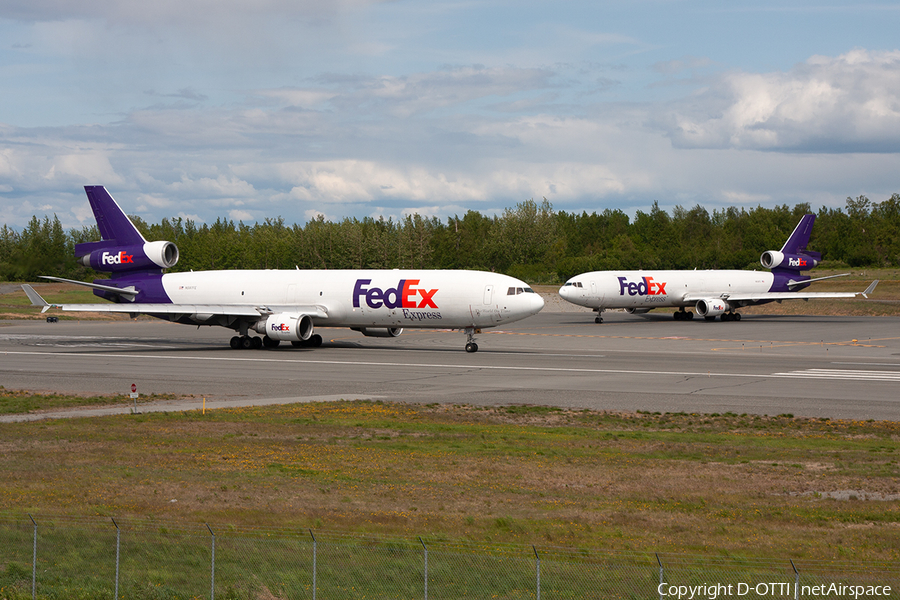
column 645, row 287
column 405, row 295
column 120, row 258
column 796, row 262
column 281, row 327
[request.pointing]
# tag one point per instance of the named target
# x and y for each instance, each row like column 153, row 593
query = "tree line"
column 530, row 241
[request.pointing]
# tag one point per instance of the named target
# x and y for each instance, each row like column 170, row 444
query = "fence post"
column 796, row 581
column 33, row 560
column 661, row 581
column 538, row 560
column 314, row 563
column 212, row 575
column 426, row 567
column 116, row 596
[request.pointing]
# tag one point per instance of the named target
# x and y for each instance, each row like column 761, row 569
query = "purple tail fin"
column 122, row 249
column 116, row 229
column 796, row 244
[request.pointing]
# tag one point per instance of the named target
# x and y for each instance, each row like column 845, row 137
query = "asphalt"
column 821, row 366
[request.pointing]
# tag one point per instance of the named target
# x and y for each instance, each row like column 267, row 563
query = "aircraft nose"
column 564, row 292
column 537, row 303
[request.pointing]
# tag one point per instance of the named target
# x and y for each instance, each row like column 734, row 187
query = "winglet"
column 870, row 289
column 35, row 298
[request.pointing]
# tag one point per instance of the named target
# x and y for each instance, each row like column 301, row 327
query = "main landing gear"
column 731, row 316
column 683, row 315
column 314, row 341
column 247, row 342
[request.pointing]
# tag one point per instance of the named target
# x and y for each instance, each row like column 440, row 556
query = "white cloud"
column 849, row 103
column 220, row 187
column 192, row 217
column 88, row 166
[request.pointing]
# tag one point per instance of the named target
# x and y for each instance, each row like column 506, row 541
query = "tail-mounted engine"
column 286, row 327
column 772, row 259
column 709, row 307
column 117, row 259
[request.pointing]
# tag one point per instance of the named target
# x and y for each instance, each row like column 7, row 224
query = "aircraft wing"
column 206, row 310
column 778, row 296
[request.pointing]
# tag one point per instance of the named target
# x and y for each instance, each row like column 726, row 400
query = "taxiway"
column 836, row 367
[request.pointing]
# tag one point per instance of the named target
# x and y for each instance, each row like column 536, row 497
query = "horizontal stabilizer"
column 792, row 284
column 128, row 293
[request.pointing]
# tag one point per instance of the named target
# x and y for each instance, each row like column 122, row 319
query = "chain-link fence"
column 71, row 558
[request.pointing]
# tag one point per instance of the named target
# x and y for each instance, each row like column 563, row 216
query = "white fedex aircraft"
column 713, row 292
column 284, row 305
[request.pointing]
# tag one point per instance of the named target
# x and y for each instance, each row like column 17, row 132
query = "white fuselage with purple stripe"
column 365, row 298
column 656, row 289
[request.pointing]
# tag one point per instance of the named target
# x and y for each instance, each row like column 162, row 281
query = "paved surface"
column 838, row 367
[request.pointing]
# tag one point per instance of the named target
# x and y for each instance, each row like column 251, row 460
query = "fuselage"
column 656, row 289
column 404, row 298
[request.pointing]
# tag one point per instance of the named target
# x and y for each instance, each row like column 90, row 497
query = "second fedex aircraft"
column 285, row 305
column 713, row 293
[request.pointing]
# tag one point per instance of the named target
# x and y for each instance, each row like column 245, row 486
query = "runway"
column 836, row 367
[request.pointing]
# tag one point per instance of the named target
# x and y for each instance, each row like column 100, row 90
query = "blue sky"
column 353, row 108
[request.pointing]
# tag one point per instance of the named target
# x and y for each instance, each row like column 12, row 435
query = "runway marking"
column 845, row 374
column 851, row 342
column 888, row 376
column 868, row 364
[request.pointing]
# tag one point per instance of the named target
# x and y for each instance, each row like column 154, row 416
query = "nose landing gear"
column 471, row 346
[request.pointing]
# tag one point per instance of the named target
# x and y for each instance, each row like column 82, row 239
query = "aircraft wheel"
column 737, row 316
column 315, row 340
column 235, row 343
column 246, row 342
column 598, row 320
column 678, row 315
column 726, row 316
column 690, row 315
column 256, row 342
column 471, row 347
column 269, row 342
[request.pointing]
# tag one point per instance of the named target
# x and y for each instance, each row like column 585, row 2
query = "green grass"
column 628, row 482
column 23, row 402
column 480, row 485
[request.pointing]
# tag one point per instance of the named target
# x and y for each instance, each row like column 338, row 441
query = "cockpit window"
column 515, row 291
column 573, row 284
